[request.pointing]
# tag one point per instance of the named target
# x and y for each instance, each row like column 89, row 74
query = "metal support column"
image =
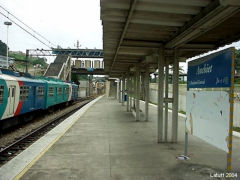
column 175, row 97
column 166, row 103
column 130, row 93
column 134, row 91
column 128, row 90
column 146, row 92
column 160, row 95
column 230, row 132
column 142, row 89
column 137, row 93
column 123, row 90
column 119, row 95
column 27, row 60
column 89, row 85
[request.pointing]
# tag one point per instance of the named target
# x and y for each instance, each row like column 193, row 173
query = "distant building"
column 3, row 61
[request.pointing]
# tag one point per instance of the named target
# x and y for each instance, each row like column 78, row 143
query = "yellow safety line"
column 47, row 148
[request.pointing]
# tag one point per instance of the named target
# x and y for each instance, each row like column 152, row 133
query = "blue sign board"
column 212, row 71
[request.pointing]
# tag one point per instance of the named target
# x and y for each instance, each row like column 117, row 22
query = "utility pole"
column 27, row 59
column 7, row 23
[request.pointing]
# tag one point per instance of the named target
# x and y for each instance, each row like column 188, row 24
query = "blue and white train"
column 21, row 94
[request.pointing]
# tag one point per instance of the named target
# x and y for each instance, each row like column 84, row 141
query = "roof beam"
column 197, row 3
column 199, row 46
column 162, row 22
column 230, row 2
column 214, row 14
column 133, row 43
column 153, row 27
column 141, row 15
column 153, row 7
column 149, row 59
column 129, row 16
column 125, row 62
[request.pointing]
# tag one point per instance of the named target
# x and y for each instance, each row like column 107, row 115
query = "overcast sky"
column 62, row 22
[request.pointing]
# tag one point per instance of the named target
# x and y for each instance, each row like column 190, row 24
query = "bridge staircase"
column 60, row 68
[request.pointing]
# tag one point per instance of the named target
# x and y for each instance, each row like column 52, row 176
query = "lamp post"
column 7, row 23
column 35, row 67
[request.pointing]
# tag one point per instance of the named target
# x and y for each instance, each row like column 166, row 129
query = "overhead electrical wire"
column 25, row 30
column 27, row 27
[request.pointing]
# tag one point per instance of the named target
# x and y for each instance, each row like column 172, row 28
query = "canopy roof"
column 136, row 29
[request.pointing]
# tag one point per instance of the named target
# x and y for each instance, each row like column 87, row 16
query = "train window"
column 75, row 89
column 13, row 92
column 1, row 94
column 67, row 90
column 40, row 92
column 50, row 91
column 59, row 90
column 24, row 92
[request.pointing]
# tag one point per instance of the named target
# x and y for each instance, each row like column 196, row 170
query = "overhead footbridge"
column 62, row 67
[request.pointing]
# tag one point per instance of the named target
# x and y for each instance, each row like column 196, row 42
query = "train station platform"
column 107, row 143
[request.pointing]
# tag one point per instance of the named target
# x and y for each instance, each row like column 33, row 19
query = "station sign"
column 211, row 71
column 209, row 111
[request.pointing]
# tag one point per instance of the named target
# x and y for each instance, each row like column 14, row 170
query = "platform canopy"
column 133, row 30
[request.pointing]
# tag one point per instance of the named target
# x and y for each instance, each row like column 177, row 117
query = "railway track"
column 25, row 141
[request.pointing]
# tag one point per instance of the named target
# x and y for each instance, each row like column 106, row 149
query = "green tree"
column 3, row 48
column 37, row 60
column 181, row 70
column 19, row 63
